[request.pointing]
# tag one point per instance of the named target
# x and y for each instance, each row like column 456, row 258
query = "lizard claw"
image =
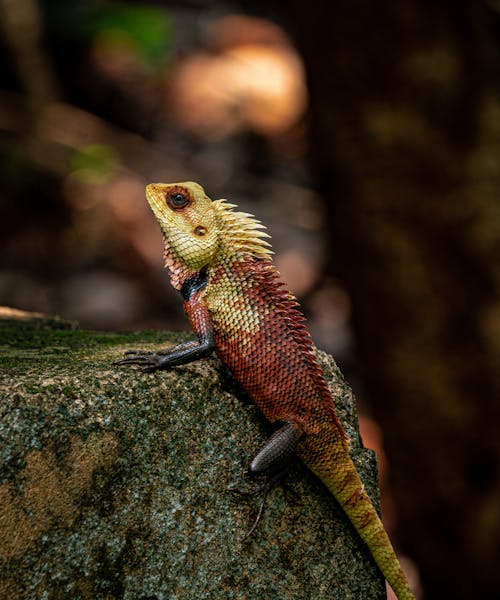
column 245, row 491
column 265, row 490
column 149, row 361
column 138, row 352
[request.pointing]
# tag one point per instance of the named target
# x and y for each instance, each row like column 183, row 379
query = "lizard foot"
column 247, row 491
column 262, row 489
column 148, row 361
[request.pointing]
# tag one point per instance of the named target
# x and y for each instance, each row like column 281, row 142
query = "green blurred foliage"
column 94, row 163
column 147, row 28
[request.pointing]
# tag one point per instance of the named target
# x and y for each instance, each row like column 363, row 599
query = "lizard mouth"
column 156, row 201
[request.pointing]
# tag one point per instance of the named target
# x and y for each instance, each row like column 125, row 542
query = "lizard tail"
column 345, row 484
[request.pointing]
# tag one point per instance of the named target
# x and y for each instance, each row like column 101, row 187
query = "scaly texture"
column 221, row 262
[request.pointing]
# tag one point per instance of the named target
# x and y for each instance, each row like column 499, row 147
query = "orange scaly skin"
column 233, row 297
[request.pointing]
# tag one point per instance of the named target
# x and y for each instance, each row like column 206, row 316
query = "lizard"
column 221, row 262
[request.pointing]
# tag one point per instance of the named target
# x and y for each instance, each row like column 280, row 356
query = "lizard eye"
column 177, row 200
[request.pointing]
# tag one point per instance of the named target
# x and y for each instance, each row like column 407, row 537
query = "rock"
column 115, row 483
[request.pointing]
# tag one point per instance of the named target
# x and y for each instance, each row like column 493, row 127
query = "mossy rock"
column 115, row 483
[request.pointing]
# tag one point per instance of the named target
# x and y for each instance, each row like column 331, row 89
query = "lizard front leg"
column 171, row 357
column 186, row 352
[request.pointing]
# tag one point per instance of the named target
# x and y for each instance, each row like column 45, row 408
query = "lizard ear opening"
column 200, row 230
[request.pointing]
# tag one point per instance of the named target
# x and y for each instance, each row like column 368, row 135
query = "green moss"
column 114, row 483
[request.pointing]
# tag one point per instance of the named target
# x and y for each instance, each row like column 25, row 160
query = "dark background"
column 365, row 135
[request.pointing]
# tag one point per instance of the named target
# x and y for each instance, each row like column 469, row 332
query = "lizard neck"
column 179, row 272
column 240, row 240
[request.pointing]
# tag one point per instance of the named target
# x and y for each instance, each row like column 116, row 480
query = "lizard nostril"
column 200, row 230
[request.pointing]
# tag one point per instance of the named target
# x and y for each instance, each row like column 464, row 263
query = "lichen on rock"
column 115, row 483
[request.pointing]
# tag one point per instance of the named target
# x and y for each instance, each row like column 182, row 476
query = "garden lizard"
column 220, row 261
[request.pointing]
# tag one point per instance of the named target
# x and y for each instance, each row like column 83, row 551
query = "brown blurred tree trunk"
column 405, row 133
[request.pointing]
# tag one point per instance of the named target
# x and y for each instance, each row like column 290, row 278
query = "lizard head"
column 197, row 230
column 188, row 223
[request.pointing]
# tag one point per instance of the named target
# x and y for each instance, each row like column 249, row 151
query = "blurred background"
column 366, row 136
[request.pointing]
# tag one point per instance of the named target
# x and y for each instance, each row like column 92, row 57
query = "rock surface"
column 114, row 483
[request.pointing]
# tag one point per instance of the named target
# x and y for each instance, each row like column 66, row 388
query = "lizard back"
column 260, row 335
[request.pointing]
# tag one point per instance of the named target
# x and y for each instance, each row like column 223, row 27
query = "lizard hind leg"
column 272, row 462
column 276, row 453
